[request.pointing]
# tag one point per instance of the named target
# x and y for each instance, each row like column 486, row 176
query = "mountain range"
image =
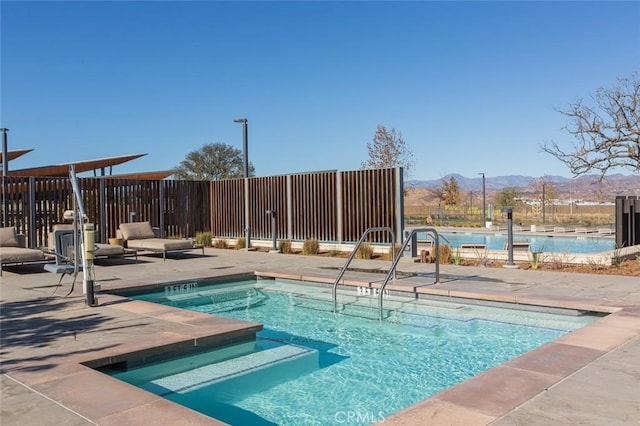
column 582, row 187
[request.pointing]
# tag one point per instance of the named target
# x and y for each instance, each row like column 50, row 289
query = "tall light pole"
column 245, row 146
column 484, row 201
column 5, row 171
column 245, row 150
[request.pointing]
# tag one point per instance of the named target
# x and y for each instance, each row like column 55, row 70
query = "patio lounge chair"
column 14, row 251
column 141, row 236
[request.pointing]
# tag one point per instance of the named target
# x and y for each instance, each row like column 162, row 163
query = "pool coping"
column 478, row 400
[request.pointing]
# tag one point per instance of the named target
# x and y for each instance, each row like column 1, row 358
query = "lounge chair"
column 141, row 236
column 519, row 246
column 14, row 251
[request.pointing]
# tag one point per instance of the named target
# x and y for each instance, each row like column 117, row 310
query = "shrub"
column 242, row 243
column 220, row 244
column 285, row 246
column 310, row 246
column 365, row 251
column 535, row 259
column 445, row 254
column 204, row 238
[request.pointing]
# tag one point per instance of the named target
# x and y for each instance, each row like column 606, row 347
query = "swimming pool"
column 311, row 366
column 538, row 243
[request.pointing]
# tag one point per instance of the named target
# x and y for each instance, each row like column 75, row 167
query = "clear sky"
column 472, row 86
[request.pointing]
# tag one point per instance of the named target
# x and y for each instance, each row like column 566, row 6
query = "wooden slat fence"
column 328, row 206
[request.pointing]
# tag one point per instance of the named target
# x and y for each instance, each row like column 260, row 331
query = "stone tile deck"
column 590, row 376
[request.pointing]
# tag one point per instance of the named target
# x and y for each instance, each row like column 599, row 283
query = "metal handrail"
column 352, row 255
column 392, row 271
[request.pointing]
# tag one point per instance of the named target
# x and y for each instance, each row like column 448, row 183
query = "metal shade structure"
column 153, row 175
column 62, row 170
column 12, row 155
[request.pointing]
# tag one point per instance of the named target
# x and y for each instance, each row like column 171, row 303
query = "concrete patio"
column 49, row 342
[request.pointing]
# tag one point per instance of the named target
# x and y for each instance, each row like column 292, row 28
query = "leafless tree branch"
column 607, row 133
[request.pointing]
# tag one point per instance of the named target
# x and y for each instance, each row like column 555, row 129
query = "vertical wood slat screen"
column 227, row 208
column 313, row 206
column 184, row 208
column 369, row 201
column 267, row 193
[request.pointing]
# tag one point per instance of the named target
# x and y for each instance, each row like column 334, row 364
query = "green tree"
column 388, row 149
column 606, row 133
column 214, row 161
column 507, row 197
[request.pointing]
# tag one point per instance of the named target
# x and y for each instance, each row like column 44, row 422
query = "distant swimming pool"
column 544, row 243
column 310, row 366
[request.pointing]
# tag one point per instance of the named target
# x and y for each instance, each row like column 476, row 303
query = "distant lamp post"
column 245, row 150
column 245, row 146
column 5, row 171
column 543, row 202
column 484, row 201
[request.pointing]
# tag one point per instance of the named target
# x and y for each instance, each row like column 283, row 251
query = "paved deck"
column 49, row 343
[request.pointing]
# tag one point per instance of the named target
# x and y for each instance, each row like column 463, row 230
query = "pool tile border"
column 478, row 400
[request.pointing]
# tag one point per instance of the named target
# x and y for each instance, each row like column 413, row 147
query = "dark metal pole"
column 484, row 201
column 274, row 229
column 543, row 202
column 5, row 171
column 245, row 149
column 510, row 236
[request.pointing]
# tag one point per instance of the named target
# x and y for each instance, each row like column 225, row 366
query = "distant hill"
column 583, row 187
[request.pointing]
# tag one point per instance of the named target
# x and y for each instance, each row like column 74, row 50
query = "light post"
column 510, row 263
column 245, row 150
column 5, row 171
column 484, row 201
column 245, row 146
column 543, row 202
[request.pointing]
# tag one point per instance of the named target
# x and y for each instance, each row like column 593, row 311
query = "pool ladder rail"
column 395, row 259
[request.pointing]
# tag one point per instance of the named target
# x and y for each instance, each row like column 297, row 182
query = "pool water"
column 545, row 243
column 310, row 366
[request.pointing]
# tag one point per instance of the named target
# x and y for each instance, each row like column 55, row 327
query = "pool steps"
column 263, row 368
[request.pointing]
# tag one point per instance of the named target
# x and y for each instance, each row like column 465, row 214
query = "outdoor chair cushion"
column 20, row 255
column 136, row 231
column 8, row 237
column 162, row 244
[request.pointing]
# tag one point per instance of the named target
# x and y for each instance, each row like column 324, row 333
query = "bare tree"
column 438, row 194
column 388, row 149
column 607, row 134
column 545, row 190
column 450, row 191
column 214, row 161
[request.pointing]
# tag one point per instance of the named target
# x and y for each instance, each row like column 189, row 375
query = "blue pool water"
column 310, row 366
column 544, row 243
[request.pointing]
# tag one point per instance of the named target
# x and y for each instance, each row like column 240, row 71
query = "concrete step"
column 234, row 376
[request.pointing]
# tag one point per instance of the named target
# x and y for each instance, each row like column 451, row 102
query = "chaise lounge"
column 14, row 251
column 141, row 236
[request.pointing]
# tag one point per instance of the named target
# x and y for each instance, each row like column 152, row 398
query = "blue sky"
column 472, row 86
